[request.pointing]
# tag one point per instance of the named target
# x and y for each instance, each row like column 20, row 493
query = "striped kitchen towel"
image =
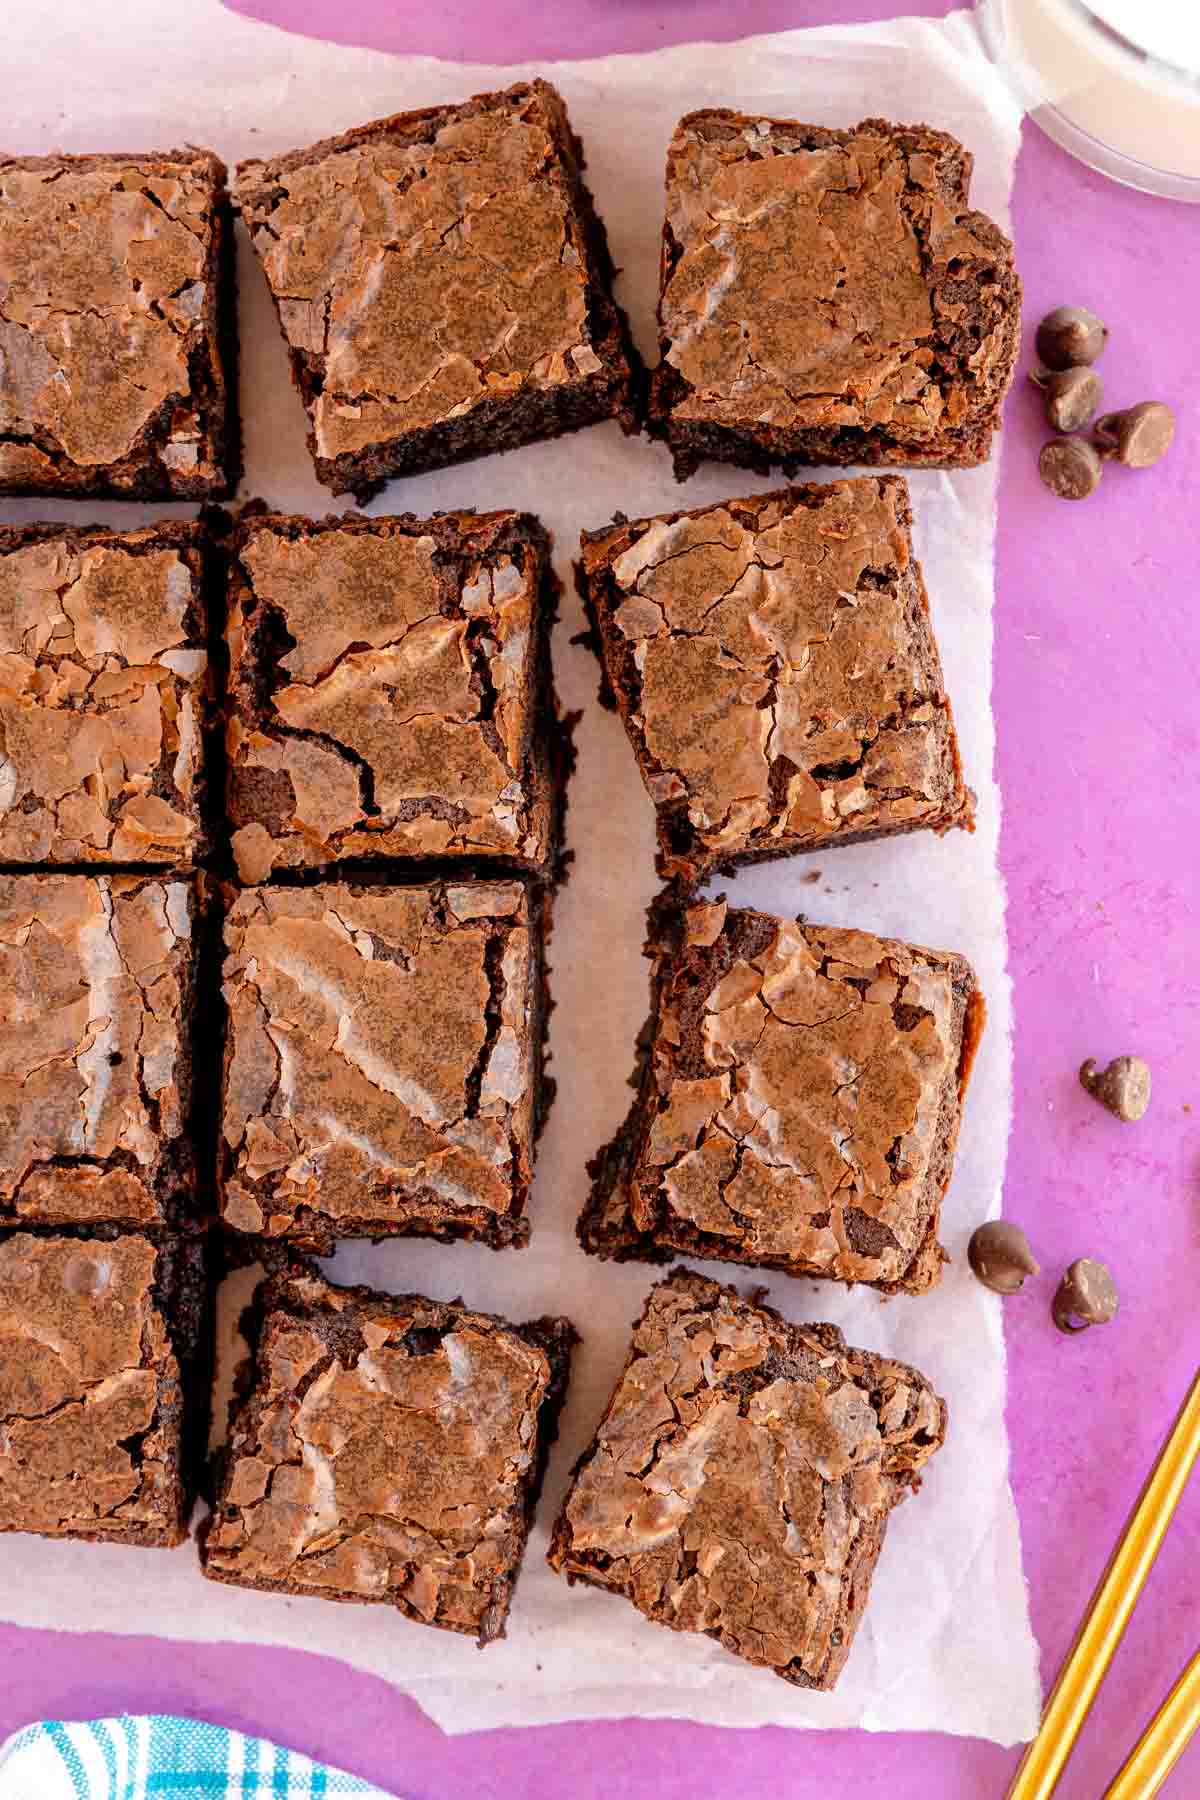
column 134, row 1758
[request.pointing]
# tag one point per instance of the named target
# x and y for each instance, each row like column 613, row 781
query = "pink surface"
column 1097, row 666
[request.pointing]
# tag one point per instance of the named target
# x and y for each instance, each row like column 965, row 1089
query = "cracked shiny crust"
column 115, row 327
column 800, row 1103
column 390, row 1449
column 104, row 695
column 382, row 1062
column 91, row 1405
column 775, row 666
column 741, row 1479
column 442, row 283
column 391, row 691
column 96, row 984
column 829, row 297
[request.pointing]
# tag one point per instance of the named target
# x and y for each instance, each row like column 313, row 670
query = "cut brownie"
column 117, row 336
column 96, row 1015
column 828, row 297
column 774, row 664
column 388, row 1449
column 105, row 694
column 444, row 286
column 391, row 694
column 98, row 1334
column 382, row 1062
column 799, row 1104
column 741, row 1479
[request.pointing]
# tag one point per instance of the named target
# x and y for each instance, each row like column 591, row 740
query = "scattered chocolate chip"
column 1000, row 1256
column 1070, row 467
column 1071, row 395
column 1087, row 1295
column 1139, row 436
column 1070, row 336
column 1124, row 1086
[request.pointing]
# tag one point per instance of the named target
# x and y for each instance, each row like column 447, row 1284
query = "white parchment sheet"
column 946, row 1644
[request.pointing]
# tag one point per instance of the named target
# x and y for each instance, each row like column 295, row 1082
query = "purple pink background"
column 1096, row 677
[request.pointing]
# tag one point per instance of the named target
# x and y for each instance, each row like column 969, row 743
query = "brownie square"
column 97, row 1000
column 740, row 1481
column 799, row 1103
column 444, row 286
column 105, row 694
column 828, row 297
column 117, row 338
column 388, row 1449
column 382, row 1061
column 390, row 692
column 98, row 1332
column 774, row 664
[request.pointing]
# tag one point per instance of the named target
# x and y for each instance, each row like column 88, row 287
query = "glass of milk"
column 1116, row 82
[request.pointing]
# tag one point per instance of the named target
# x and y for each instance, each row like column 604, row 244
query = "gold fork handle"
column 1111, row 1604
column 1163, row 1742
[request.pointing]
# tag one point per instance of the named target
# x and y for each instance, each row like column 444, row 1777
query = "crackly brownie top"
column 426, row 262
column 103, row 277
column 379, row 1044
column 383, row 1452
column 743, row 1474
column 103, row 676
column 384, row 679
column 818, row 278
column 778, row 668
column 92, row 977
column 84, row 1354
column 801, row 1074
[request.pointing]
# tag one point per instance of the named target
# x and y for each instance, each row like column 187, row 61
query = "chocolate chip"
column 1124, row 1086
column 1071, row 395
column 1070, row 336
column 1139, row 436
column 1086, row 1295
column 1070, row 467
column 1000, row 1256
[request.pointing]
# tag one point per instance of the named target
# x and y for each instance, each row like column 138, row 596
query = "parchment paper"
column 946, row 1643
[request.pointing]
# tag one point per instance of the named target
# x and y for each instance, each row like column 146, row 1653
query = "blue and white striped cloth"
column 135, row 1758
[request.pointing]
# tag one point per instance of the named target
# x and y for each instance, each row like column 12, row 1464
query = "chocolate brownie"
column 740, row 1481
column 774, row 664
column 117, row 333
column 96, row 1013
column 799, row 1102
column 390, row 691
column 444, row 286
column 105, row 694
column 102, row 1385
column 828, row 297
column 382, row 1061
column 387, row 1449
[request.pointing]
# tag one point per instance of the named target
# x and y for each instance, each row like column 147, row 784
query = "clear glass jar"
column 1116, row 82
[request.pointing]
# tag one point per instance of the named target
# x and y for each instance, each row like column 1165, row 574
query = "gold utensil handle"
column 1163, row 1742
column 1111, row 1604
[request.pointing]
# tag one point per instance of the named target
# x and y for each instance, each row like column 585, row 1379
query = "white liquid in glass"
column 1124, row 72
